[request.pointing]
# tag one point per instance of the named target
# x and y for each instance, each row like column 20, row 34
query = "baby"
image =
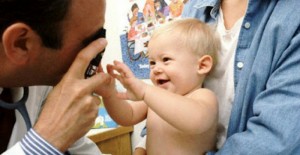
column 181, row 115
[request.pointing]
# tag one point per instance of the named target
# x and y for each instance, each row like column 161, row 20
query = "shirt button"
column 240, row 65
column 247, row 25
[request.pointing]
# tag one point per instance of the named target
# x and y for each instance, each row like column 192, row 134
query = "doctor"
column 43, row 42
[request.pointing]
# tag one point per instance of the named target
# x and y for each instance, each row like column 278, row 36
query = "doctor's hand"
column 70, row 109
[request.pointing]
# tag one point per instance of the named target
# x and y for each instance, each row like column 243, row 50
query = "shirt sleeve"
column 32, row 143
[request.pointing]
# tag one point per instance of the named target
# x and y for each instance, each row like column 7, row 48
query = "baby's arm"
column 122, row 111
column 125, row 113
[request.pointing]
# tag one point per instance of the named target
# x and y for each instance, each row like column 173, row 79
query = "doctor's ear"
column 205, row 64
column 18, row 40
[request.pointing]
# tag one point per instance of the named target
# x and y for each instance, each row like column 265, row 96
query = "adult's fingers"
column 84, row 57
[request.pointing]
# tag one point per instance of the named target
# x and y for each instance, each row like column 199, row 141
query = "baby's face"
column 173, row 66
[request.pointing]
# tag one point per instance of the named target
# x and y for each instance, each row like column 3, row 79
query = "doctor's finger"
column 84, row 57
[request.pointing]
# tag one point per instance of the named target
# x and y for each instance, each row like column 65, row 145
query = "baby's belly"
column 162, row 138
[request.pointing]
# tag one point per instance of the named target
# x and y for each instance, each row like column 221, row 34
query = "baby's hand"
column 107, row 89
column 135, row 87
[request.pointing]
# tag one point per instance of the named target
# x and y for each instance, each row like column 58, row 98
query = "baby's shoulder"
column 201, row 92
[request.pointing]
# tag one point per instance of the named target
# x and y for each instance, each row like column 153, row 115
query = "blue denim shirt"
column 265, row 118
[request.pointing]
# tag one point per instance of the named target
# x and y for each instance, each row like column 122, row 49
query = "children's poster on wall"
column 143, row 17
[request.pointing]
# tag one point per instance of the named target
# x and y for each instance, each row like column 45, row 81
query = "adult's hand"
column 70, row 109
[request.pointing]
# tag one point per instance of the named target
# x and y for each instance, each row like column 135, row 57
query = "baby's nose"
column 157, row 69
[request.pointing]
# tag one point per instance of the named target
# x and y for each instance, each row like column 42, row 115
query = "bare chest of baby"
column 163, row 138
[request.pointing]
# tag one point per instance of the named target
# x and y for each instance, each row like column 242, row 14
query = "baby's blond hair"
column 194, row 34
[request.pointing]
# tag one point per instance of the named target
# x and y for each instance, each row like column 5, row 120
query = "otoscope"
column 93, row 66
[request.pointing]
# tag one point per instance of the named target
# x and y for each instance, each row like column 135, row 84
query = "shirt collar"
column 214, row 4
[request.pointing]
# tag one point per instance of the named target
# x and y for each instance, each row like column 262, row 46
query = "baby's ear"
column 205, row 64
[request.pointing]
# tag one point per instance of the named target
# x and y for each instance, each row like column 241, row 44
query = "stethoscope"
column 20, row 106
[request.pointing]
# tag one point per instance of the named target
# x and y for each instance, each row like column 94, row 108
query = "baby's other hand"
column 135, row 87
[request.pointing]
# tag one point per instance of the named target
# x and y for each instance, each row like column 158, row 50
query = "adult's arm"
column 70, row 109
column 265, row 117
column 32, row 143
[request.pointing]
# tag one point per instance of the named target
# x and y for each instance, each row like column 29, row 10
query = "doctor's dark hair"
column 45, row 17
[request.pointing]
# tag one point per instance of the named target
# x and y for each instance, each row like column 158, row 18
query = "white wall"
column 116, row 11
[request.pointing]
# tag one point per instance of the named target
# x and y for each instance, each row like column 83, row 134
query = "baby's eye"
column 165, row 59
column 151, row 63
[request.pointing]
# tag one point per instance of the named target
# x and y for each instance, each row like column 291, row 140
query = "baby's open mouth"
column 160, row 82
